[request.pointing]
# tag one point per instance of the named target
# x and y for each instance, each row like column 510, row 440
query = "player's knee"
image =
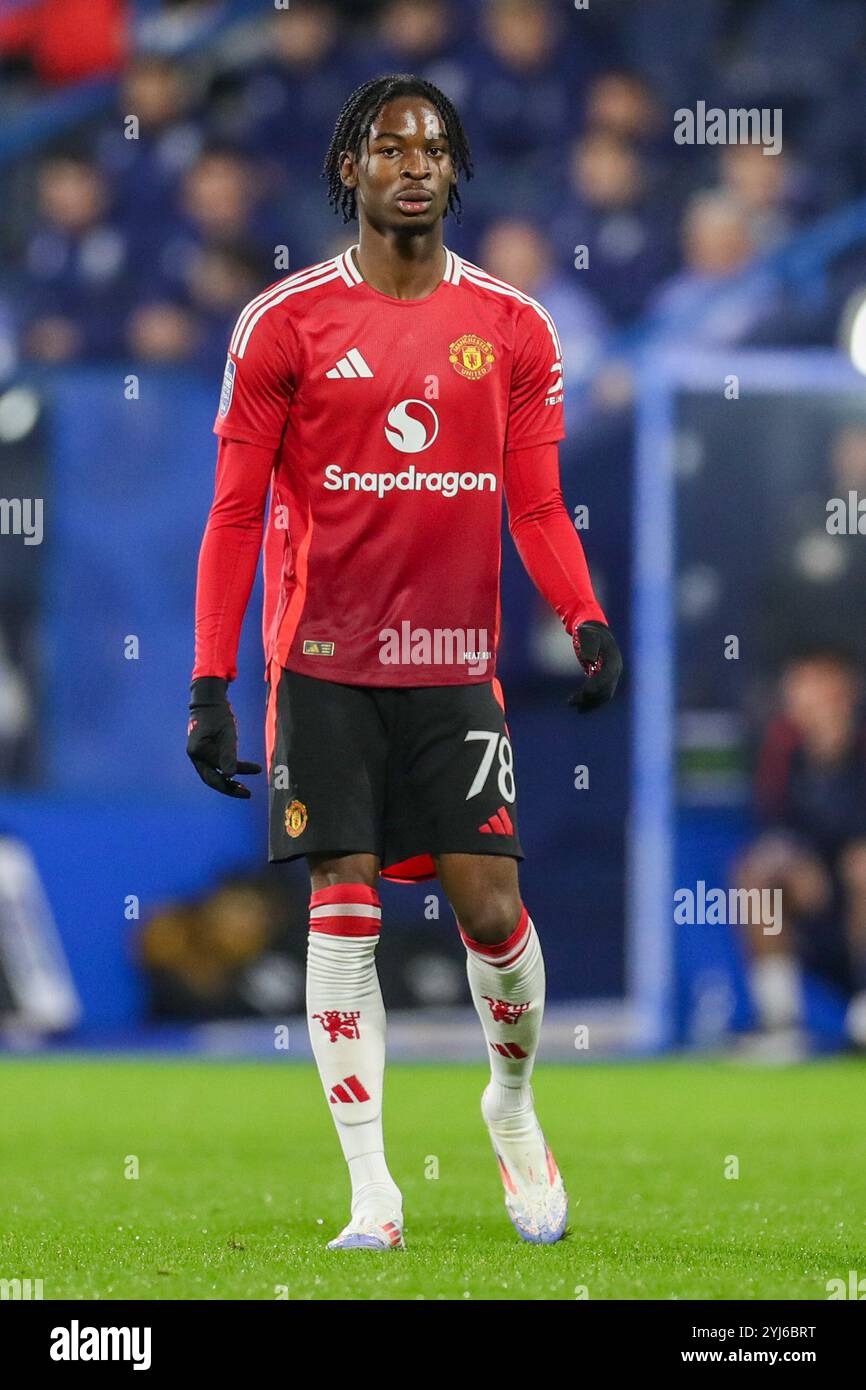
column 491, row 921
column 327, row 870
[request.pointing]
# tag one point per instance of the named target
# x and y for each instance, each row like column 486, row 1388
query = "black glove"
column 213, row 737
column 598, row 654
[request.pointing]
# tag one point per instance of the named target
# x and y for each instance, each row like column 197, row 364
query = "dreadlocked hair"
column 353, row 127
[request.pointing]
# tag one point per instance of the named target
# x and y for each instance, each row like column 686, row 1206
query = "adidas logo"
column 498, row 824
column 347, row 1091
column 509, row 1050
column 392, row 1231
column 351, row 365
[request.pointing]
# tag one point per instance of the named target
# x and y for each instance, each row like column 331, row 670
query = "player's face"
column 404, row 173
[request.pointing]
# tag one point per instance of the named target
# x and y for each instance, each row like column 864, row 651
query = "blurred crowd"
column 139, row 231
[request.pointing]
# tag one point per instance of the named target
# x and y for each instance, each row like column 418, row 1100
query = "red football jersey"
column 392, row 418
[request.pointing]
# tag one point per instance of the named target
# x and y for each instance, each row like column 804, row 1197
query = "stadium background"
column 127, row 249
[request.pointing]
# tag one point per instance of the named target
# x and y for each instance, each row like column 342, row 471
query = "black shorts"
column 402, row 773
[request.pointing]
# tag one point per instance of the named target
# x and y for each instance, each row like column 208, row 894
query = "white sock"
column 507, row 985
column 346, row 1021
column 777, row 990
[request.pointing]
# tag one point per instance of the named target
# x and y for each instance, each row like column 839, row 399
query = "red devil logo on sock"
column 505, row 1012
column 340, row 1023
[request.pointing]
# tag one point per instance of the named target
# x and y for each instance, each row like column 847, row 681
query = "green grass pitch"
column 241, row 1184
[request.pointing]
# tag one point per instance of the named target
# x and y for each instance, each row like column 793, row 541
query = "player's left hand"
column 596, row 650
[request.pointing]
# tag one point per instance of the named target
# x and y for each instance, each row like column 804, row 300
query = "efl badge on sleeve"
column 228, row 386
column 471, row 356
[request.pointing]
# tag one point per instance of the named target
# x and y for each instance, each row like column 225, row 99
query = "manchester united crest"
column 296, row 819
column 471, row 356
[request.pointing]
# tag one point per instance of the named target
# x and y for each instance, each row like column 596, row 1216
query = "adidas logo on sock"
column 510, row 1050
column 347, row 1091
column 352, row 365
column 498, row 824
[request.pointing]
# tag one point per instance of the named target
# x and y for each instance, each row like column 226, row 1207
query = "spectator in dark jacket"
column 76, row 264
column 811, row 793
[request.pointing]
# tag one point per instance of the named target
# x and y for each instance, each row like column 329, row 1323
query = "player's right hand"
column 213, row 738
